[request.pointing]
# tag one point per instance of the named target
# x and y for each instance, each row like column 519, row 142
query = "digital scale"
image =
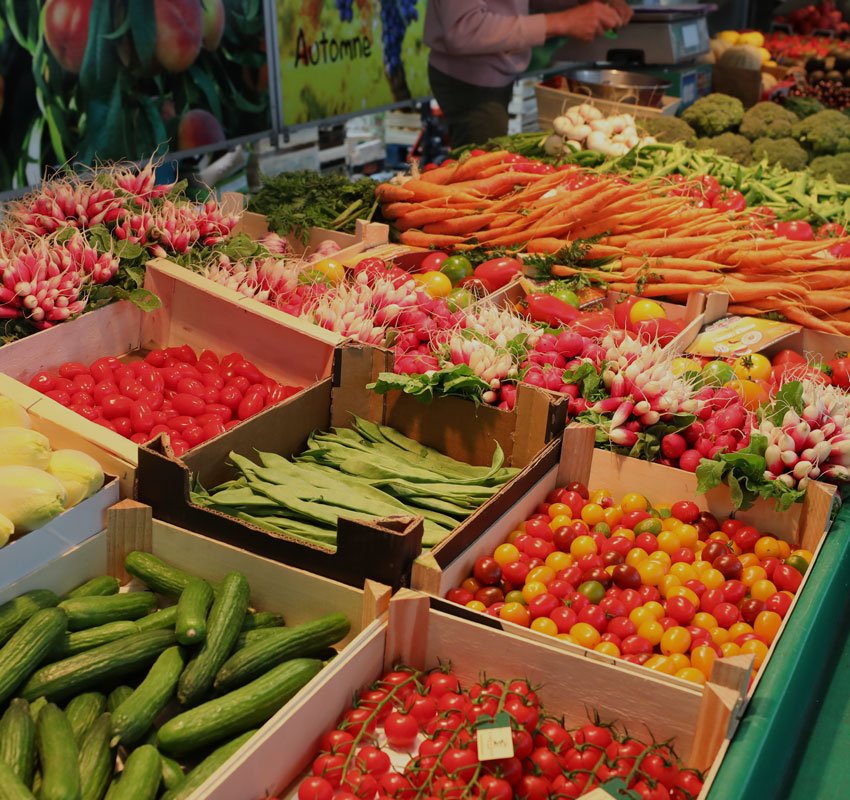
column 658, row 34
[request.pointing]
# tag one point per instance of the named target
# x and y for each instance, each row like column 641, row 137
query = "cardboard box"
column 299, row 596
column 385, row 549
column 194, row 311
column 698, row 720
column 575, row 459
column 745, row 84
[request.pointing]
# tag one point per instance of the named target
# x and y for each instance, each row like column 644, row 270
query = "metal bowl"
column 618, row 85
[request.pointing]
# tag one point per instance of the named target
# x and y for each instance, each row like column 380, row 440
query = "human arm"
column 585, row 21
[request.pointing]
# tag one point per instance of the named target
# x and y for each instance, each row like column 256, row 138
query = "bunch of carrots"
column 658, row 245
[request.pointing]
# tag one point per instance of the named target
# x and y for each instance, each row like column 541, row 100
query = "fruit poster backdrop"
column 99, row 80
column 342, row 57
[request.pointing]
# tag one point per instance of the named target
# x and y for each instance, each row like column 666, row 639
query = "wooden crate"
column 299, row 596
column 194, row 311
column 385, row 549
column 575, row 459
column 699, row 720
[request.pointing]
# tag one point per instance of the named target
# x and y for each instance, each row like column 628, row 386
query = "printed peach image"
column 105, row 80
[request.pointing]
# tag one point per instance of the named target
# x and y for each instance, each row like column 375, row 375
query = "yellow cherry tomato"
column 332, row 269
column 608, row 648
column 667, row 583
column 748, row 560
column 806, row 555
column 784, row 549
column 739, row 629
column 713, row 578
column 703, row 658
column 506, row 554
column 661, row 664
column 750, row 575
column 691, row 674
column 593, row 513
column 767, row 625
column 752, row 394
column 476, row 605
column 561, row 521
column 559, row 560
column 646, row 309
column 583, row 546
column 544, row 625
column 675, row 640
column 635, row 556
column 762, row 589
column 640, row 615
column 436, row 284
column 655, row 608
column 516, row 613
column 702, row 619
column 634, row 502
column 651, row 631
column 532, row 590
column 651, row 572
column 669, row 542
column 613, row 514
column 585, row 634
column 752, row 367
column 681, row 366
column 719, row 635
column 684, row 591
column 679, row 660
column 557, row 509
column 544, row 575
column 758, row 649
column 688, row 536
column 730, row 649
column 565, row 637
column 683, row 571
column 602, row 497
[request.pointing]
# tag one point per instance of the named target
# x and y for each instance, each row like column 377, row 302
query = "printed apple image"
column 179, row 29
column 213, row 28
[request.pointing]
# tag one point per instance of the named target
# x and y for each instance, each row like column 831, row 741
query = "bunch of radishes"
column 723, row 425
column 585, row 127
column 809, row 444
column 551, row 355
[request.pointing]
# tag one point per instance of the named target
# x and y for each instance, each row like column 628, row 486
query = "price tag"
column 494, row 738
column 735, row 336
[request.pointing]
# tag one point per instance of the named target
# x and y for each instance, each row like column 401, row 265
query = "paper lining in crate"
column 553, row 103
column 574, row 458
column 383, row 549
column 195, row 311
column 298, row 596
column 698, row 720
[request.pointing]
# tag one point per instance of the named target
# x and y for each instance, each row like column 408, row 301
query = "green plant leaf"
column 144, row 299
column 127, row 250
column 709, row 475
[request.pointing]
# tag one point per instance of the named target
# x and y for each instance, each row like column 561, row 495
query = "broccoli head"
column 767, row 120
column 803, row 106
column 785, row 151
column 731, row 145
column 824, row 133
column 670, row 129
column 714, row 114
column 838, row 166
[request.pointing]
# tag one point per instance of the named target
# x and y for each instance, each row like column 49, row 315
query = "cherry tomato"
column 456, row 268
column 436, row 284
column 249, row 405
column 753, row 367
column 315, row 788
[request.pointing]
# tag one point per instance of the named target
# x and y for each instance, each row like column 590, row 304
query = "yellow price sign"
column 736, row 336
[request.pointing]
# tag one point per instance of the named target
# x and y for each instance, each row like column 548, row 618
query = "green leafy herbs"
column 743, row 471
column 789, row 397
column 294, row 202
column 589, row 380
column 458, row 380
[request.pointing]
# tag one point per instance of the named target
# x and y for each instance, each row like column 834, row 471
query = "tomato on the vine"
column 840, row 366
column 754, row 367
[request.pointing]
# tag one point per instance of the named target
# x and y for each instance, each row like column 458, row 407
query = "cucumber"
column 303, row 640
column 36, row 706
column 117, row 696
column 18, row 610
column 223, row 626
column 242, row 709
column 17, row 740
column 89, row 669
column 132, row 719
column 101, row 586
column 80, row 641
column 249, row 637
column 11, row 786
column 256, row 620
column 83, row 710
column 140, row 778
column 172, row 773
column 164, row 618
column 90, row 612
column 97, row 761
column 192, row 607
column 158, row 576
column 207, row 768
column 58, row 755
column 27, row 648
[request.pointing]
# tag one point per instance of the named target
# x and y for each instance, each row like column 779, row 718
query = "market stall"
column 518, row 474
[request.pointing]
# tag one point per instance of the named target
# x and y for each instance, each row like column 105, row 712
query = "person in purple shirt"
column 479, row 47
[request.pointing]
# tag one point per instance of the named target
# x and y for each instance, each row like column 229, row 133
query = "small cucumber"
column 132, row 719
column 87, row 670
column 11, row 786
column 158, row 576
column 101, row 586
column 97, row 761
column 172, row 773
column 36, row 706
column 58, row 755
column 164, row 618
column 117, row 696
column 192, row 607
column 140, row 778
column 256, row 620
column 80, row 641
column 83, row 710
column 223, row 626
column 231, row 714
column 91, row 612
column 207, row 768
column 18, row 610
column 303, row 640
column 17, row 740
column 27, row 648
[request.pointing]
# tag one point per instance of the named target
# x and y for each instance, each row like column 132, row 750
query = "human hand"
column 625, row 11
column 584, row 22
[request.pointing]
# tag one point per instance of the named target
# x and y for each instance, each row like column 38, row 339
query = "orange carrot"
column 459, row 225
column 391, row 192
column 546, row 245
column 417, row 238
